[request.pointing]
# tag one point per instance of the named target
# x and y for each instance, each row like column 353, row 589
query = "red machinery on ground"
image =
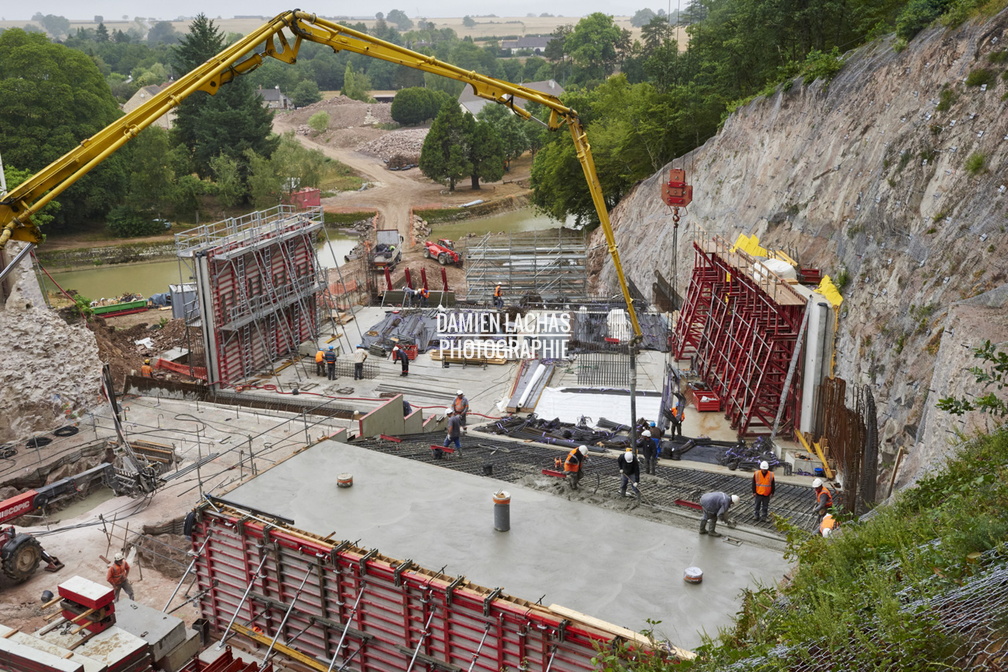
column 443, row 250
column 20, row 552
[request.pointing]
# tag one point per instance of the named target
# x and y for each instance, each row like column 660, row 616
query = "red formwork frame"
column 740, row 324
column 396, row 616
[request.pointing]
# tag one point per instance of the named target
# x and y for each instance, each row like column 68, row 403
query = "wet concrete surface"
column 610, row 565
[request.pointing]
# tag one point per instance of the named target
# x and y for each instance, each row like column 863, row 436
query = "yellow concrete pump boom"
column 18, row 206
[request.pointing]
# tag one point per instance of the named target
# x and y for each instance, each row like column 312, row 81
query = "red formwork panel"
column 373, row 613
column 742, row 339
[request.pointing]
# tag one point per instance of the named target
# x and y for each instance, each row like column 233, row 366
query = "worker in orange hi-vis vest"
column 574, row 465
column 498, row 297
column 763, row 487
column 146, row 371
column 118, row 576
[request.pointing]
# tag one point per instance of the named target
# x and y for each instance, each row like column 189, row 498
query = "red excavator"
column 20, row 552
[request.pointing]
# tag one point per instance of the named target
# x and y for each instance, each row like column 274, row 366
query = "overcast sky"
column 115, row 9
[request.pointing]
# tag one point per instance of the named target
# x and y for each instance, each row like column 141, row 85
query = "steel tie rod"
column 189, row 569
column 269, row 651
column 248, row 590
column 479, row 648
column 346, row 628
column 423, row 638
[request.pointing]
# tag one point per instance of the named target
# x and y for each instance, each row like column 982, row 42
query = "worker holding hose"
column 574, row 465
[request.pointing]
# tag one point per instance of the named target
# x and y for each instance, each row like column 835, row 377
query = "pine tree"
column 486, row 154
column 445, row 151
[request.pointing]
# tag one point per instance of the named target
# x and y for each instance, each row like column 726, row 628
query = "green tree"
column 162, row 32
column 356, row 85
column 52, row 98
column 445, row 153
column 992, row 375
column 641, row 17
column 509, row 128
column 229, row 186
column 319, row 122
column 151, row 178
column 468, row 21
column 486, row 155
column 56, row 27
column 305, row 93
column 416, row 105
column 399, row 18
column 264, row 182
column 230, row 122
column 101, row 33
column 595, row 46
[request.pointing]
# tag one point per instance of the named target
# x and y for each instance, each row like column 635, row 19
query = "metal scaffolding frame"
column 741, row 324
column 551, row 264
column 334, row 602
column 259, row 286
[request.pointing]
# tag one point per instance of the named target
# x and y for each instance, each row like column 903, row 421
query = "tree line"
column 643, row 101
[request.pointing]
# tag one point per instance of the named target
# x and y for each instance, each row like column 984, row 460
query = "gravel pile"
column 344, row 112
column 406, row 143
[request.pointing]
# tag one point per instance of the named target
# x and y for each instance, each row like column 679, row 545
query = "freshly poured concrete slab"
column 610, row 565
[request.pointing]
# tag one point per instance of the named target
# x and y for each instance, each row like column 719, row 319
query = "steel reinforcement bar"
column 335, row 606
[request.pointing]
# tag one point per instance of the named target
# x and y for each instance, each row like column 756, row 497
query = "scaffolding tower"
column 550, row 264
column 258, row 285
column 742, row 324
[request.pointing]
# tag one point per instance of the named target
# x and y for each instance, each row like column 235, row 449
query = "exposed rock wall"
column 49, row 370
column 867, row 178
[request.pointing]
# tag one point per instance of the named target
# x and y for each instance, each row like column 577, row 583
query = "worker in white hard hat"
column 715, row 506
column 454, row 434
column 629, row 468
column 646, row 449
column 574, row 465
column 118, row 577
column 824, row 499
column 461, row 407
column 763, row 488
column 827, row 525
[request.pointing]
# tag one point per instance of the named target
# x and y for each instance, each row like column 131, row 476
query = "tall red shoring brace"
column 423, row 277
column 741, row 339
column 444, row 279
column 387, row 608
column 409, row 278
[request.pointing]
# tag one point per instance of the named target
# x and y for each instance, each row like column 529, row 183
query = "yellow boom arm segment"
column 18, row 206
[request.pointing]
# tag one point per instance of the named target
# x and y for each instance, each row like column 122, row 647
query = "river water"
column 155, row 276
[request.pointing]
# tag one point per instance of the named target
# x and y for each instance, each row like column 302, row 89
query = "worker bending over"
column 828, row 524
column 454, row 434
column 824, row 499
column 715, row 505
column 629, row 472
column 399, row 354
column 574, row 465
column 763, row 487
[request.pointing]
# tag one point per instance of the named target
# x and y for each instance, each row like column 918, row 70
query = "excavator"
column 281, row 38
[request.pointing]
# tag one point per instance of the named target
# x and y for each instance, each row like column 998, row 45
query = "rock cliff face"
column 893, row 176
column 50, row 370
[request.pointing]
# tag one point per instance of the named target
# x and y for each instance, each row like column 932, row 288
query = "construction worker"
column 646, row 447
column 763, row 487
column 320, row 362
column 454, row 433
column 574, row 465
column 824, row 499
column 399, row 354
column 461, row 406
column 360, row 356
column 629, row 472
column 656, row 435
column 424, row 296
column 118, row 576
column 146, row 371
column 715, row 505
column 498, row 297
column 408, row 294
column 330, row 361
column 828, row 524
column 677, row 414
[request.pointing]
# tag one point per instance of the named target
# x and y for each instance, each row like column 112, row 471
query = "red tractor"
column 444, row 251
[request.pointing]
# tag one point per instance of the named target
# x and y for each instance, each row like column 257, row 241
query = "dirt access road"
column 391, row 193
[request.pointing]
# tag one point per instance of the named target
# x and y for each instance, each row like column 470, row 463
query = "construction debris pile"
column 405, row 143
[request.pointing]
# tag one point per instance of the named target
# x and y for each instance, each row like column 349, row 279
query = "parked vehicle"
column 387, row 251
column 443, row 250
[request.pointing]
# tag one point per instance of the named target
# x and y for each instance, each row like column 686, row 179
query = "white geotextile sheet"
column 570, row 406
